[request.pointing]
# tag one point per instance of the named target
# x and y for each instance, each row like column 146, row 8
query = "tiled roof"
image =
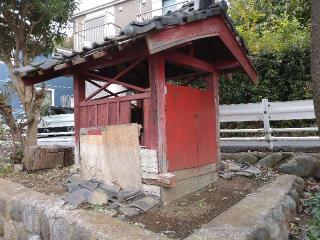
column 189, row 12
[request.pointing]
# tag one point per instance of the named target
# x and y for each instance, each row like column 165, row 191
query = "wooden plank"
column 115, row 58
column 91, row 113
column 62, row 66
column 83, row 117
column 113, row 156
column 100, row 54
column 125, row 112
column 110, row 100
column 102, row 114
column 167, row 180
column 113, row 113
column 181, row 128
column 147, row 125
column 206, row 127
column 78, row 61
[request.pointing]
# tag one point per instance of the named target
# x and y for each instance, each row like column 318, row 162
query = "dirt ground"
column 50, row 182
column 180, row 218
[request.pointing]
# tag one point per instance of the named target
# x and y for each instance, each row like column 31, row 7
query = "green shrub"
column 313, row 208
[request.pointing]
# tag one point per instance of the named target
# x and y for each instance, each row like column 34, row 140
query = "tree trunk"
column 15, row 131
column 315, row 56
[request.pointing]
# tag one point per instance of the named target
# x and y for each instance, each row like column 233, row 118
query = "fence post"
column 266, row 122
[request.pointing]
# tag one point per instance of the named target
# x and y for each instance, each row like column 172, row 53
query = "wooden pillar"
column 79, row 95
column 157, row 134
column 213, row 85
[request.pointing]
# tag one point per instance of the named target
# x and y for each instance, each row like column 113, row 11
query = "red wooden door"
column 206, row 127
column 180, row 122
column 191, row 127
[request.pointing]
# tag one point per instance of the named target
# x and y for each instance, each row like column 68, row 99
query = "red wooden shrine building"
column 158, row 63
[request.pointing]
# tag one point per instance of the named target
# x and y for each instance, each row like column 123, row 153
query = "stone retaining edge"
column 263, row 215
column 27, row 214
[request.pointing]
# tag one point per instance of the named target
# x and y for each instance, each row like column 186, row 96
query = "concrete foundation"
column 188, row 181
column 113, row 154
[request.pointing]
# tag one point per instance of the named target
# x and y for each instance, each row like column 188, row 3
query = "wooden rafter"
column 114, row 80
column 99, row 86
column 189, row 61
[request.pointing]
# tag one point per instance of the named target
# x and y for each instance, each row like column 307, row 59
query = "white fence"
column 268, row 111
column 265, row 112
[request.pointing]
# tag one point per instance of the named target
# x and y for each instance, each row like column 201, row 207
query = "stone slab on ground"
column 265, row 214
column 57, row 222
column 270, row 160
column 301, row 165
column 46, row 157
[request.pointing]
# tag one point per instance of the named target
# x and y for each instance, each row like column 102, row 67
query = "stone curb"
column 27, row 214
column 263, row 215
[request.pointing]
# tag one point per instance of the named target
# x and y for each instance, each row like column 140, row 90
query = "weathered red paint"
column 107, row 111
column 181, row 123
column 191, row 127
column 79, row 95
column 181, row 128
column 189, row 61
column 215, row 26
column 157, row 114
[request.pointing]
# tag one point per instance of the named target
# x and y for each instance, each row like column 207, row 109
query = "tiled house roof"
column 194, row 11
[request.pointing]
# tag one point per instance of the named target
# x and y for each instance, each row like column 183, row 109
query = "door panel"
column 206, row 127
column 181, row 125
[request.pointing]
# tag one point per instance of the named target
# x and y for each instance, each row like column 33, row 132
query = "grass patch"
column 313, row 208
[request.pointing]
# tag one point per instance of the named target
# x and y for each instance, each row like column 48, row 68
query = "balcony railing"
column 159, row 12
column 86, row 37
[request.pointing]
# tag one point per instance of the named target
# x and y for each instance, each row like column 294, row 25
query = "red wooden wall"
column 191, row 127
column 109, row 111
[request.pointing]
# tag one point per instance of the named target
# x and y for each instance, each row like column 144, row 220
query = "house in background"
column 59, row 90
column 106, row 20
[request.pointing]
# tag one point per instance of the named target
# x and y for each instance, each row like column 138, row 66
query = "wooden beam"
column 227, row 64
column 234, row 46
column 158, row 112
column 101, row 88
column 79, row 95
column 34, row 79
column 211, row 27
column 104, row 59
column 167, row 180
column 114, row 80
column 110, row 80
column 189, row 61
column 112, row 100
